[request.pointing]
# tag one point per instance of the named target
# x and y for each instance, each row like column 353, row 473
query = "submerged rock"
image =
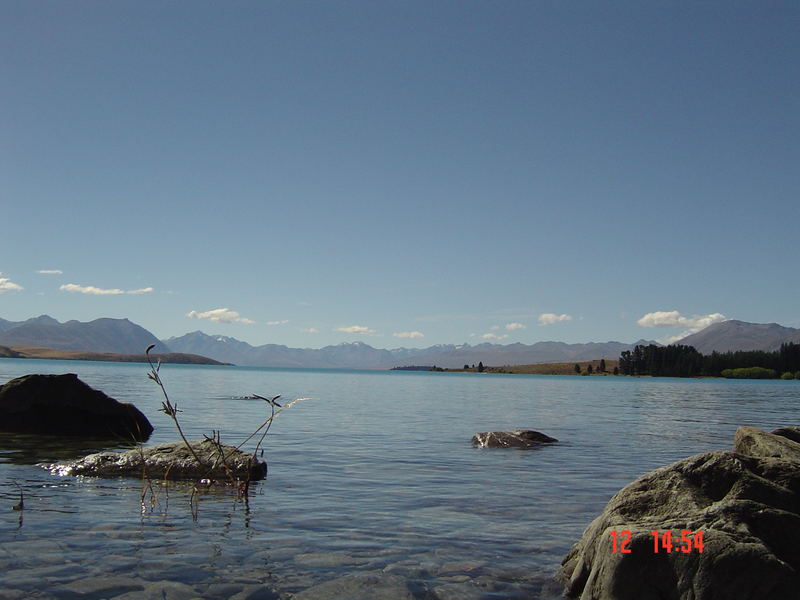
column 746, row 503
column 523, row 438
column 364, row 586
column 170, row 461
column 65, row 405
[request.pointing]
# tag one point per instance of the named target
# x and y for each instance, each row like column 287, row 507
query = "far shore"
column 562, row 368
column 54, row 354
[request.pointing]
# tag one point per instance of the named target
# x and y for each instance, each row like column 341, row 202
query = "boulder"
column 793, row 433
column 169, row 461
column 751, row 441
column 523, row 438
column 65, row 405
column 747, row 505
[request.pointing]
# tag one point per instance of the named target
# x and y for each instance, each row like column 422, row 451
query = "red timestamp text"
column 663, row 541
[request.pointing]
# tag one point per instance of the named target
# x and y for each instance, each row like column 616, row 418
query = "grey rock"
column 458, row 591
column 158, row 590
column 11, row 594
column 327, row 559
column 746, row 503
column 222, row 590
column 65, row 405
column 168, row 590
column 522, row 438
column 793, row 433
column 255, row 592
column 366, row 586
column 459, row 567
column 751, row 441
column 169, row 461
column 105, row 587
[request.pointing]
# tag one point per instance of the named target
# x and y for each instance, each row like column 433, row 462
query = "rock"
column 751, row 441
column 793, row 433
column 169, row 461
column 327, row 559
column 746, row 503
column 104, row 587
column 523, row 438
column 255, row 592
column 64, row 405
column 366, row 586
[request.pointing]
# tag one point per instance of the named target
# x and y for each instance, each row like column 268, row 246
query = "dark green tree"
column 685, row 361
column 626, row 363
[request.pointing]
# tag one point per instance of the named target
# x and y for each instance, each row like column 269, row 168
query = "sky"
column 401, row 173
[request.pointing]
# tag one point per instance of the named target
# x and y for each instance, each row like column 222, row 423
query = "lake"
column 374, row 490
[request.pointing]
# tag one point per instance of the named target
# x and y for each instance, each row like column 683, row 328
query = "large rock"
column 170, row 461
column 522, row 438
column 751, row 441
column 746, row 503
column 64, row 405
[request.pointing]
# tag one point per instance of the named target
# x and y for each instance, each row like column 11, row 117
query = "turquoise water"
column 373, row 490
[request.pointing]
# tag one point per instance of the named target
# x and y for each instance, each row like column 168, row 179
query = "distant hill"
column 40, row 320
column 356, row 355
column 521, row 354
column 49, row 353
column 223, row 348
column 101, row 335
column 729, row 336
column 359, row 355
column 121, row 336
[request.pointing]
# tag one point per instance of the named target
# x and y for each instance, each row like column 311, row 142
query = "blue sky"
column 401, row 173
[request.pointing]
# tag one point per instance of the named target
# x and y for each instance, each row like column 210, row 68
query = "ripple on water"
column 373, row 487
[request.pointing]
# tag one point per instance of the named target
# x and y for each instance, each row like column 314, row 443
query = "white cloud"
column 219, row 315
column 551, row 318
column 50, row 272
column 96, row 291
column 673, row 318
column 90, row 289
column 358, row 329
column 494, row 336
column 310, row 330
column 515, row 326
column 284, row 322
column 409, row 334
column 6, row 285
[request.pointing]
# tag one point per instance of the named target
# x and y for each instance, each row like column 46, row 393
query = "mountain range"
column 730, row 336
column 101, row 335
column 126, row 337
column 364, row 356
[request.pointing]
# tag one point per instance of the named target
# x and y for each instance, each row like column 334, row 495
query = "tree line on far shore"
column 685, row 361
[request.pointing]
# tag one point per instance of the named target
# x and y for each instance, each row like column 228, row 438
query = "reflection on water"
column 31, row 449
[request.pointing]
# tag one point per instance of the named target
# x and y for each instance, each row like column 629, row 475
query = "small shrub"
column 787, row 375
column 749, row 373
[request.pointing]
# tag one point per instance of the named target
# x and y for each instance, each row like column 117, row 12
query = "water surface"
column 373, row 490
